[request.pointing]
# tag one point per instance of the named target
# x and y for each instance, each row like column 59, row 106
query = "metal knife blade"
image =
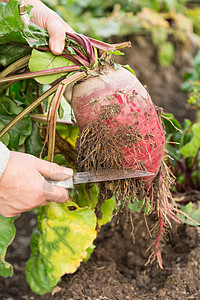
column 99, row 176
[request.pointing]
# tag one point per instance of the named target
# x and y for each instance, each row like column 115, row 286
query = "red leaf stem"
column 108, row 47
column 40, row 73
column 80, row 53
column 76, row 37
column 85, row 43
column 54, row 109
column 76, row 59
column 71, row 58
column 89, row 49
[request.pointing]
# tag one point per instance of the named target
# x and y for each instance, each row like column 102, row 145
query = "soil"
column 116, row 269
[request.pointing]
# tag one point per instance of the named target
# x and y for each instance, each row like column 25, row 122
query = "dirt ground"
column 116, row 269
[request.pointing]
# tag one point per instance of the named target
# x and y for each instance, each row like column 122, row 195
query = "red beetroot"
column 122, row 90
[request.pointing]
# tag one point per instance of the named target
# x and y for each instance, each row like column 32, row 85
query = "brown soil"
column 116, row 269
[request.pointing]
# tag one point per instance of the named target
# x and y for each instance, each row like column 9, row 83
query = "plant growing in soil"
column 119, row 128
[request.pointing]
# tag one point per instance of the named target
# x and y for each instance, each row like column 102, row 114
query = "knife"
column 99, row 176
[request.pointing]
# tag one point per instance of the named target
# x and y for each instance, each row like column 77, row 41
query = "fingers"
column 55, row 193
column 8, row 213
column 53, row 171
column 57, row 29
column 57, row 42
column 52, row 22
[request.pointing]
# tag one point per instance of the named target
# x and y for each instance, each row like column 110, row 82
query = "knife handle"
column 67, row 183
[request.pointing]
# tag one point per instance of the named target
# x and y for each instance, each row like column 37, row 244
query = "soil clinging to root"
column 100, row 146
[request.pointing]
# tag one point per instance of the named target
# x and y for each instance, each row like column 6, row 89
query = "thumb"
column 53, row 171
column 57, row 42
column 57, row 31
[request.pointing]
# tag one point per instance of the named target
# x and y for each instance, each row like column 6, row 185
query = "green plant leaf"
column 44, row 61
column 193, row 211
column 107, row 209
column 67, row 231
column 84, row 195
column 69, row 132
column 7, row 233
column 191, row 149
column 136, row 205
column 17, row 134
column 166, row 53
column 12, row 29
column 36, row 273
column 171, row 123
column 129, row 69
column 196, row 178
column 6, row 138
column 11, row 26
column 60, row 160
column 89, row 252
column 10, row 53
column 33, row 144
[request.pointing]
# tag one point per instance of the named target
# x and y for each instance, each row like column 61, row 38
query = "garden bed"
column 116, row 269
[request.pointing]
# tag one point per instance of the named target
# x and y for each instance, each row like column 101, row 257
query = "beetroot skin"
column 129, row 106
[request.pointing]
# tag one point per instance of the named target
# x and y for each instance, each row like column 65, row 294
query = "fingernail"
column 57, row 48
column 68, row 172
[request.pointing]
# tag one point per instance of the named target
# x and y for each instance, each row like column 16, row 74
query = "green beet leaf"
column 88, row 196
column 66, row 232
column 135, row 205
column 33, row 143
column 36, row 273
column 40, row 61
column 6, row 138
column 7, row 233
column 191, row 149
column 107, row 209
column 166, row 53
column 11, row 26
column 85, row 196
column 12, row 29
column 10, row 53
column 193, row 211
column 17, row 134
column 69, row 132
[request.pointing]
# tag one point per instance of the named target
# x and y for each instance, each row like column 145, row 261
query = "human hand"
column 23, row 185
column 52, row 22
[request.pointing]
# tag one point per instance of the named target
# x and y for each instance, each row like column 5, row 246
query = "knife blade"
column 99, row 176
